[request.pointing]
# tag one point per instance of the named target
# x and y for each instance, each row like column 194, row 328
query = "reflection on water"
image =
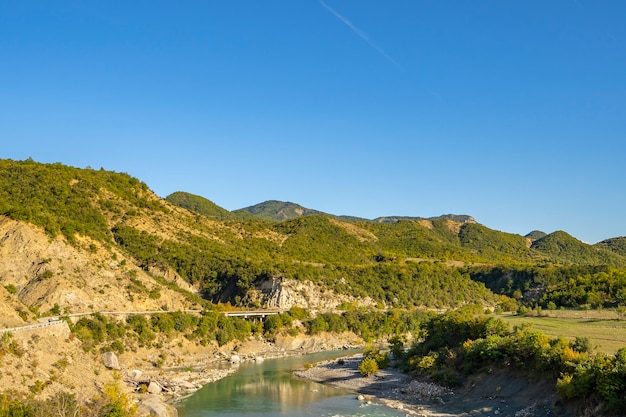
column 269, row 389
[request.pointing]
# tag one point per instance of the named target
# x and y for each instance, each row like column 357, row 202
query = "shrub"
column 381, row 358
column 11, row 289
column 299, row 313
column 368, row 367
column 272, row 324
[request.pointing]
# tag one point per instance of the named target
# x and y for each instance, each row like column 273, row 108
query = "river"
column 269, row 389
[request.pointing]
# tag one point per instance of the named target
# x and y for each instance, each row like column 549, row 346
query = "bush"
column 299, row 313
column 381, row 359
column 368, row 367
column 272, row 324
column 11, row 289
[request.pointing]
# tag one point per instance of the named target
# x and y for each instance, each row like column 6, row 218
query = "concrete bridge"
column 251, row 313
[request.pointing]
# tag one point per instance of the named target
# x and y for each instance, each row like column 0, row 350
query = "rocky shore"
column 157, row 390
column 494, row 395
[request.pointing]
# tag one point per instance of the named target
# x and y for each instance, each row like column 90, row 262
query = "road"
column 56, row 320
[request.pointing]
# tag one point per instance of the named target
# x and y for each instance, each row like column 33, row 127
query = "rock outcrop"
column 278, row 292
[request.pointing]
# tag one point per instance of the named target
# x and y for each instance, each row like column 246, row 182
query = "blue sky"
column 513, row 112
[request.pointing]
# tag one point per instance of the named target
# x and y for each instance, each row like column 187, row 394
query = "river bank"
column 495, row 394
column 158, row 390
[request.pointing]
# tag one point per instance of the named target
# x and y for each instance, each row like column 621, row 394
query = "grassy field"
column 606, row 333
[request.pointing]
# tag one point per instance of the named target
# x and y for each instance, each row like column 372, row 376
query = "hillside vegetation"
column 200, row 205
column 81, row 240
column 277, row 210
column 434, row 262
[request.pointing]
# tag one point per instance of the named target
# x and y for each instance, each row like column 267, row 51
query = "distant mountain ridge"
column 275, row 210
column 461, row 218
column 278, row 210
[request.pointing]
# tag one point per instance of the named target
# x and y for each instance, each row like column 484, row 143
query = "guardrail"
column 56, row 319
column 246, row 314
column 32, row 326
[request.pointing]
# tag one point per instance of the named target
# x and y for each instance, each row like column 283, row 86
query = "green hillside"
column 439, row 262
column 200, row 205
column 69, row 200
column 562, row 247
column 616, row 245
column 495, row 245
column 319, row 239
column 411, row 239
column 536, row 234
column 278, row 210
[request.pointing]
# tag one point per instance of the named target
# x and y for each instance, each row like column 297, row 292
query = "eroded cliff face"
column 37, row 272
column 284, row 294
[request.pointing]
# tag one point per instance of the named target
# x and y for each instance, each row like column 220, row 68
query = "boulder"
column 154, row 388
column 110, row 360
column 235, row 359
column 155, row 407
column 135, row 374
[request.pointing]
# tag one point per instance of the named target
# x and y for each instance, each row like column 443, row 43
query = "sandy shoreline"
column 488, row 395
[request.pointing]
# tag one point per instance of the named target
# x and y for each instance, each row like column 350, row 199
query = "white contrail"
column 360, row 33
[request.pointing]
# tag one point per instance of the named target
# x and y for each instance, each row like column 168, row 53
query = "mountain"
column 278, row 210
column 83, row 241
column 493, row 244
column 200, row 205
column 616, row 245
column 460, row 218
column 212, row 252
column 559, row 246
column 536, row 234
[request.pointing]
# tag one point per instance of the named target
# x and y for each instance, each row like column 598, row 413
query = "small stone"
column 360, row 397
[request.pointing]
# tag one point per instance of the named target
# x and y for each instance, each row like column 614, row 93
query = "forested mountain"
column 282, row 210
column 278, row 210
column 441, row 261
column 616, row 244
column 460, row 218
column 560, row 246
column 199, row 204
column 536, row 234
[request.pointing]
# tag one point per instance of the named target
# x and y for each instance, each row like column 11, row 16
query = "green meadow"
column 606, row 333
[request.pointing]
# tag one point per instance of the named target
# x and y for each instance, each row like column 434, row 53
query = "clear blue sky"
column 513, row 112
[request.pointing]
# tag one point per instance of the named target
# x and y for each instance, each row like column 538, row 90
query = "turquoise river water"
column 269, row 389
